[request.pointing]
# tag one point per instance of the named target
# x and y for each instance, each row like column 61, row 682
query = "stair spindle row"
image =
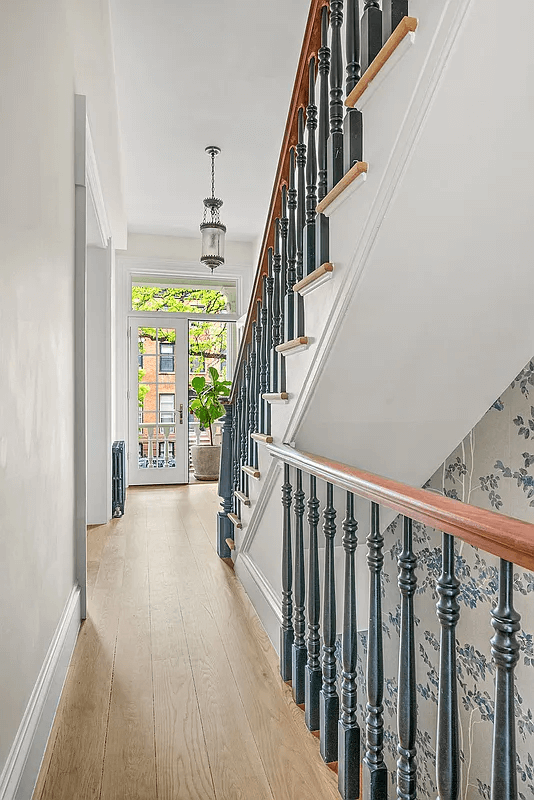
column 310, row 663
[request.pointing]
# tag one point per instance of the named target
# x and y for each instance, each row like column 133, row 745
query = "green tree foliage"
column 207, row 340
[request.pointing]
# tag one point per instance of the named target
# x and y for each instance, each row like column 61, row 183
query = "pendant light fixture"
column 212, row 229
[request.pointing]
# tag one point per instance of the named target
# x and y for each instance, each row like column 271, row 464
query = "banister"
column 310, row 47
column 503, row 536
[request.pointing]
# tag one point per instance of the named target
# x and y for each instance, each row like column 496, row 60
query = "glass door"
column 158, row 402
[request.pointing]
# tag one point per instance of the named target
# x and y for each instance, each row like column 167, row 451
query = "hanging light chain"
column 213, row 173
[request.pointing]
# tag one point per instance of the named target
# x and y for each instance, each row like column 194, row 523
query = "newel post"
column 224, row 525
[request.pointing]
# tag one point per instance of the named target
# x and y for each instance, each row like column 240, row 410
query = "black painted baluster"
column 299, row 623
column 252, row 396
column 301, row 219
column 313, row 667
column 349, row 730
column 266, row 345
column 329, row 700
column 311, row 174
column 284, row 228
column 448, row 745
column 335, row 140
column 237, row 442
column 505, row 652
column 352, row 125
column 276, row 333
column 257, row 391
column 291, row 297
column 244, row 426
column 407, row 700
column 224, row 525
column 286, row 631
column 371, row 40
column 321, row 222
column 392, row 13
column 375, row 774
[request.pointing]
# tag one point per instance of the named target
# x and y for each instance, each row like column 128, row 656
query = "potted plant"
column 207, row 408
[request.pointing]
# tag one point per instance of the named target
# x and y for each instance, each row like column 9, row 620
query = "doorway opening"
column 178, row 330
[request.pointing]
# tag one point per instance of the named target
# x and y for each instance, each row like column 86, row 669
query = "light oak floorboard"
column 72, row 767
column 173, row 691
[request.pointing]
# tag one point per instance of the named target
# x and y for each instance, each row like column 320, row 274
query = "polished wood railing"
column 314, row 679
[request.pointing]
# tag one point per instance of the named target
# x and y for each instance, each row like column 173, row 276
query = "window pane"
column 193, row 297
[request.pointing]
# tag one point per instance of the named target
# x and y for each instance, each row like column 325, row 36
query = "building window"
column 161, row 449
column 166, row 408
column 166, row 356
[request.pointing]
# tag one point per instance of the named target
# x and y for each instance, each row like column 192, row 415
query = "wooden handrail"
column 310, row 46
column 505, row 537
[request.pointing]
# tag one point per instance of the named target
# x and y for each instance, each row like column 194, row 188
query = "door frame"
column 88, row 199
column 181, row 354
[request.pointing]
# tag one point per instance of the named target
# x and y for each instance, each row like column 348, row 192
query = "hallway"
column 173, row 691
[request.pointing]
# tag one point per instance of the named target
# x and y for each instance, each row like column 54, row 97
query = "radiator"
column 117, row 479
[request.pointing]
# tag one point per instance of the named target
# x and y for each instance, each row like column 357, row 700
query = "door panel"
column 158, row 448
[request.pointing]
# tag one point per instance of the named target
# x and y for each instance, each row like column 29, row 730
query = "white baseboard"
column 262, row 596
column 21, row 770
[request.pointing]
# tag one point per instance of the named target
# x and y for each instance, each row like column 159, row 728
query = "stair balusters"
column 329, row 700
column 349, row 730
column 301, row 218
column 407, row 698
column 313, row 667
column 505, row 652
column 311, row 174
column 448, row 611
column 335, row 140
column 299, row 623
column 392, row 13
column 375, row 774
column 265, row 408
column 321, row 222
column 284, row 230
column 291, row 297
column 252, row 398
column 371, row 33
column 286, row 631
column 276, row 332
column 352, row 124
column 224, row 525
column 236, row 430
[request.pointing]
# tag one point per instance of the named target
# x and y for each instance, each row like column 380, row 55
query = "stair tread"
column 252, row 471
column 242, row 496
column 235, row 519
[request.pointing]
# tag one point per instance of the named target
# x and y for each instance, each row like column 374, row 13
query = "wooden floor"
column 173, row 691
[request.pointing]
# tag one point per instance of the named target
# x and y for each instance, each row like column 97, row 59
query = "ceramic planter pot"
column 206, row 459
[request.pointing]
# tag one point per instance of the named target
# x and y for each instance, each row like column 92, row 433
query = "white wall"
column 38, row 80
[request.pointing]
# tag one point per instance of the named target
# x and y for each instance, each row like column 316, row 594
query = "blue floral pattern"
column 492, row 469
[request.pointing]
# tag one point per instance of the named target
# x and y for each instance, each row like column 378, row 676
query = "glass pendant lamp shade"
column 212, row 244
column 212, row 229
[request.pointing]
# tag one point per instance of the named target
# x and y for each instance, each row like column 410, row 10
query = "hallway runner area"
column 173, row 692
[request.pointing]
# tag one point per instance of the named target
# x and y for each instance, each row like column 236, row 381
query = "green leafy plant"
column 206, row 406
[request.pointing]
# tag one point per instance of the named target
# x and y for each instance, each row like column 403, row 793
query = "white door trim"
column 87, row 188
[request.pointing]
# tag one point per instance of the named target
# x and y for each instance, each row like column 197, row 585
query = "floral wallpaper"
column 492, row 468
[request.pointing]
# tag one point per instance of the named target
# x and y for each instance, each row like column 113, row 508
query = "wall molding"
column 21, row 769
column 94, row 187
column 262, row 595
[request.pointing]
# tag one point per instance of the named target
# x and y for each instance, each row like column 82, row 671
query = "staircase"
column 393, row 259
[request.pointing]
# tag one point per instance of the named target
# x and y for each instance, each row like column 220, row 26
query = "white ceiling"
column 191, row 74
